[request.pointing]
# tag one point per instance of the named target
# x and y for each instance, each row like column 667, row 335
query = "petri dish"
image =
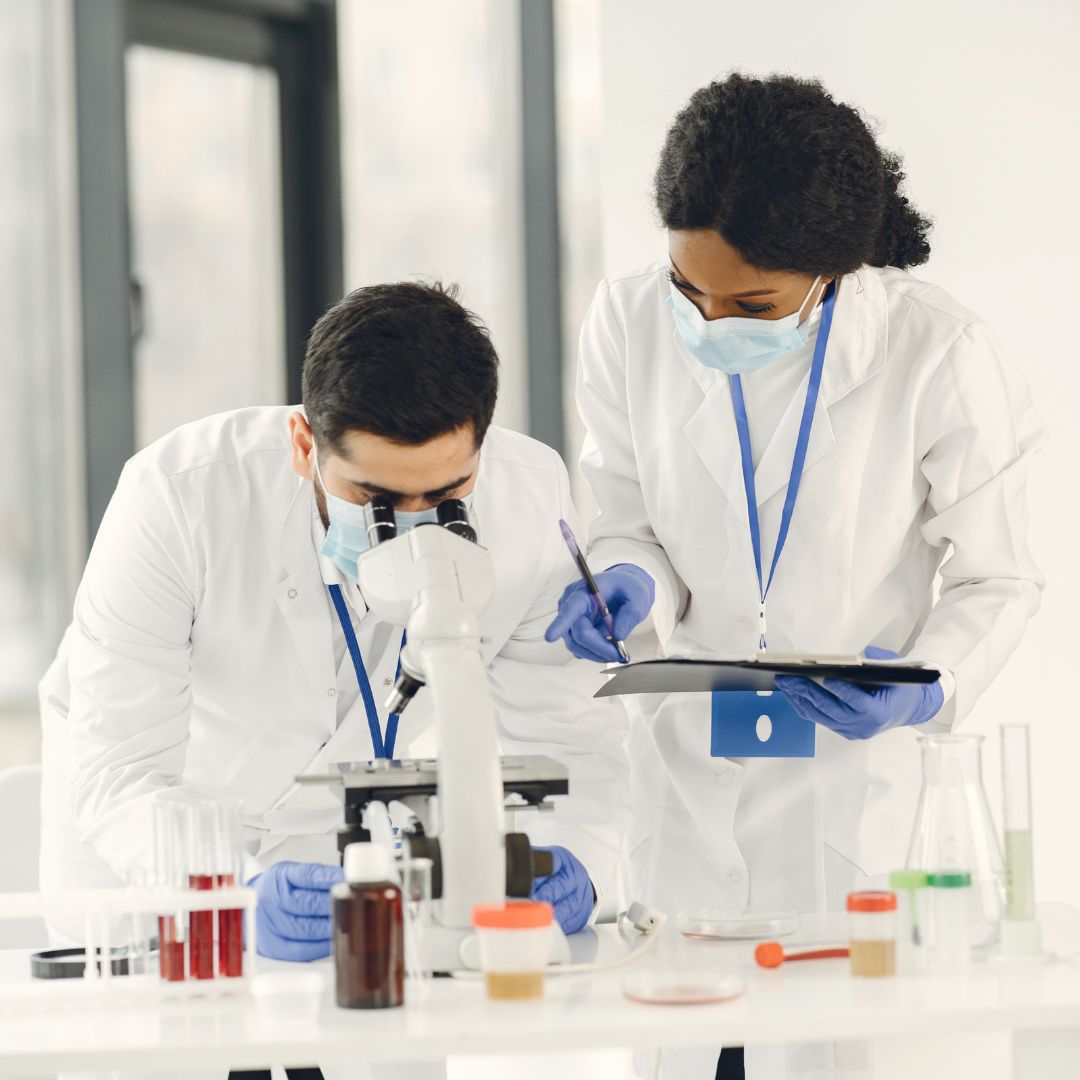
column 718, row 924
column 655, row 988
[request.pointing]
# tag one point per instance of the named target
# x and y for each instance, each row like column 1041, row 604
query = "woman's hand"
column 628, row 592
column 858, row 713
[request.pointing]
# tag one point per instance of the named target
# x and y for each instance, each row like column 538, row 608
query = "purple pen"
column 590, row 582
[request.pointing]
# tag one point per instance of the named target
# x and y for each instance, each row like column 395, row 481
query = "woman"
column 782, row 376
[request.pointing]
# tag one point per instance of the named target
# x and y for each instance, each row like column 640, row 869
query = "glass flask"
column 954, row 831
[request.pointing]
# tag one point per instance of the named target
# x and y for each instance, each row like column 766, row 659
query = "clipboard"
column 674, row 676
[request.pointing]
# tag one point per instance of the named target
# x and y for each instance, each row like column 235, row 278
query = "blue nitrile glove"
column 858, row 713
column 568, row 889
column 628, row 592
column 292, row 919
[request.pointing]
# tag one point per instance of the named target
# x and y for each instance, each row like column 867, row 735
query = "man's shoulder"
column 512, row 450
column 227, row 439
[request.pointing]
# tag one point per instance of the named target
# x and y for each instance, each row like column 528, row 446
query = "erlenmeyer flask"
column 954, row 830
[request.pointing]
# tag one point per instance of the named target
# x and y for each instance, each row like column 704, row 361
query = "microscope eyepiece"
column 380, row 520
column 454, row 515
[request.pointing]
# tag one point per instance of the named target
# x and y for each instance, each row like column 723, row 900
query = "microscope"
column 437, row 581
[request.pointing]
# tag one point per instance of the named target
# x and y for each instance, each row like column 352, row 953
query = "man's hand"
column 568, row 889
column 292, row 919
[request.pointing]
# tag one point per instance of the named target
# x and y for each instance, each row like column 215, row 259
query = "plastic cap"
column 950, row 879
column 523, row 915
column 871, row 901
column 909, row 879
column 368, row 862
column 769, row 954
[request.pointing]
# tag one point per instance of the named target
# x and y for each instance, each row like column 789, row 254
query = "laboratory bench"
column 990, row 1023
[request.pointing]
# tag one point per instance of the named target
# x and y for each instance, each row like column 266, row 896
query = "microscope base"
column 451, row 949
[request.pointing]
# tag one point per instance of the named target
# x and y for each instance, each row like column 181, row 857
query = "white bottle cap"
column 368, row 862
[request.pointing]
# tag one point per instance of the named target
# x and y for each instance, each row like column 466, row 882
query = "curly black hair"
column 789, row 177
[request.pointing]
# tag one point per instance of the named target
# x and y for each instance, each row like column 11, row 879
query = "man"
column 208, row 654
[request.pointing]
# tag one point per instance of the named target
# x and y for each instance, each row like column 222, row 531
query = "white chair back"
column 20, row 841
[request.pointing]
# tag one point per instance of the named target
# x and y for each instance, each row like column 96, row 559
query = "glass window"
column 40, row 544
column 204, row 164
column 579, row 116
column 430, row 132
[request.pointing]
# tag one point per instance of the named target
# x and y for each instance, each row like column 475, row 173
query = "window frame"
column 294, row 38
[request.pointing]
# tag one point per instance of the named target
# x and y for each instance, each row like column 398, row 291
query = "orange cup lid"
column 871, row 901
column 514, row 915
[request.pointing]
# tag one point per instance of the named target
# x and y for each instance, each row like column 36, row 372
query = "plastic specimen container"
column 513, row 940
column 718, row 924
column 872, row 921
column 950, row 920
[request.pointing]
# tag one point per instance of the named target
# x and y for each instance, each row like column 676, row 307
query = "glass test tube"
column 202, row 872
column 1016, row 784
column 139, row 877
column 231, row 921
column 170, row 851
column 416, row 893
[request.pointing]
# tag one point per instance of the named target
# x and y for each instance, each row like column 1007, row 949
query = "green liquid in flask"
column 1019, row 886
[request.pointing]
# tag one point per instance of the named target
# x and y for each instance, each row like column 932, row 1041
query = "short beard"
column 320, row 504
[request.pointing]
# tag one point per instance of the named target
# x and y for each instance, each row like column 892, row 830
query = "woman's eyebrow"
column 734, row 296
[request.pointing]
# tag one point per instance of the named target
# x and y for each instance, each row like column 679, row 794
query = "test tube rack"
column 101, row 911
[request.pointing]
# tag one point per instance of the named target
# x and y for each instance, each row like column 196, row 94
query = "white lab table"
column 992, row 1024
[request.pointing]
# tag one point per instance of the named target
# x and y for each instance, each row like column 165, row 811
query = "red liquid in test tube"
column 201, row 932
column 230, row 935
column 170, row 950
column 170, row 851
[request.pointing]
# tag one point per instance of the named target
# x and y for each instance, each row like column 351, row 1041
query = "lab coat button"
column 331, row 692
column 735, row 873
column 388, row 682
column 726, row 776
column 293, row 594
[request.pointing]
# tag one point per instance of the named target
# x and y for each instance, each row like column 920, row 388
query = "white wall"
column 981, row 99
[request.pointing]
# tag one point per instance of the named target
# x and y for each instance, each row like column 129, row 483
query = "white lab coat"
column 917, row 464
column 201, row 658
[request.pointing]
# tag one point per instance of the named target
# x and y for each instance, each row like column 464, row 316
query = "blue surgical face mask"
column 734, row 345
column 347, row 537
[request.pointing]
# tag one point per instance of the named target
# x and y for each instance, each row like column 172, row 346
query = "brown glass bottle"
column 369, row 935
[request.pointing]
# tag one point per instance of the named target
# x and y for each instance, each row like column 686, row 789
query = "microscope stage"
column 533, row 778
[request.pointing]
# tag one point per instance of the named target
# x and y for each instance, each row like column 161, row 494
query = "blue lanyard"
column 797, row 464
column 383, row 748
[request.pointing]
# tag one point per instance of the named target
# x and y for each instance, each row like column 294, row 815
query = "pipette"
column 771, row 954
